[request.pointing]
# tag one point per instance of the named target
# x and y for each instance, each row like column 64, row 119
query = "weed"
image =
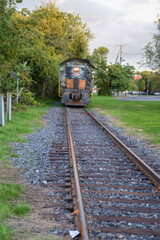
column 14, row 155
column 21, row 209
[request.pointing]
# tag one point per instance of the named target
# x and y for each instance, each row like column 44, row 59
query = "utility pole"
column 120, row 51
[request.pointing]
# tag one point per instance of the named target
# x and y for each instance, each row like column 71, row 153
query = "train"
column 75, row 82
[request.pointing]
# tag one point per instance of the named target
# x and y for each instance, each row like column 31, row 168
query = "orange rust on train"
column 75, row 82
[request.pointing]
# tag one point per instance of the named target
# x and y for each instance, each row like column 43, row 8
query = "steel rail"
column 141, row 164
column 81, row 214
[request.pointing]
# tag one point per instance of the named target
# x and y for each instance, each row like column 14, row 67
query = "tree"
column 152, row 50
column 142, row 86
column 41, row 40
column 78, row 36
column 9, row 43
column 119, row 77
column 6, row 5
column 99, row 57
column 152, row 80
column 114, row 78
column 65, row 31
column 63, row 36
column 99, row 60
column 155, row 81
column 109, row 78
column 132, row 86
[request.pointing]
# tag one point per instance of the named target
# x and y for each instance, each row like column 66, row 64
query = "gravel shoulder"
column 28, row 169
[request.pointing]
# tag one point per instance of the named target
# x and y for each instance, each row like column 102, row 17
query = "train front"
column 75, row 82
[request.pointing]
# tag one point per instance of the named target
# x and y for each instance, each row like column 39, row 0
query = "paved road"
column 139, row 98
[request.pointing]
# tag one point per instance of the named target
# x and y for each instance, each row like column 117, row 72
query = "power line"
column 133, row 53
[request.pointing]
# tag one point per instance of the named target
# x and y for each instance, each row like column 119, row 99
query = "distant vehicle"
column 143, row 93
column 134, row 93
column 157, row 93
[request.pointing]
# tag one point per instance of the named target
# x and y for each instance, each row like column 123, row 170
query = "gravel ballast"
column 33, row 156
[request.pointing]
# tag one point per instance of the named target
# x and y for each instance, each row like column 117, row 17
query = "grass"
column 9, row 193
column 141, row 115
column 21, row 209
column 21, row 123
column 5, row 232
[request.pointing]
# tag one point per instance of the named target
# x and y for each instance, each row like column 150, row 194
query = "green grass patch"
column 134, row 114
column 21, row 209
column 21, row 123
column 9, row 194
column 5, row 232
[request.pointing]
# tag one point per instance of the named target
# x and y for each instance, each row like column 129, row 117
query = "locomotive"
column 75, row 82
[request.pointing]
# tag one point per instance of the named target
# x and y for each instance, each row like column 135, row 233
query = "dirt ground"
column 33, row 226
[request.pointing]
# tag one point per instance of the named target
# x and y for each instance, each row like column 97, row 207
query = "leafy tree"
column 65, row 31
column 152, row 80
column 78, row 36
column 9, row 43
column 102, row 81
column 109, row 78
column 119, row 77
column 8, row 39
column 155, row 82
column 152, row 50
column 146, row 77
column 99, row 57
column 50, row 37
column 132, row 86
column 114, row 79
column 34, row 43
column 142, row 86
column 99, row 60
column 23, row 72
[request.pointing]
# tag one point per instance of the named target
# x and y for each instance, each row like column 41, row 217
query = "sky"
column 129, row 23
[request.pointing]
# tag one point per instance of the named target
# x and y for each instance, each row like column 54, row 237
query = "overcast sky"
column 114, row 22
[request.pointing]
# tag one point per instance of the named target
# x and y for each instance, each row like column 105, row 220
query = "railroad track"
column 115, row 199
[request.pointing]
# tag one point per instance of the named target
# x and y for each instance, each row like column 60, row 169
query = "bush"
column 28, row 98
column 17, row 107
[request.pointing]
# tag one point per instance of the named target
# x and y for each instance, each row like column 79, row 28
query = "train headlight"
column 76, row 69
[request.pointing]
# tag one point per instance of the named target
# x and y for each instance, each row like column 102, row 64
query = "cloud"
column 114, row 22
column 89, row 11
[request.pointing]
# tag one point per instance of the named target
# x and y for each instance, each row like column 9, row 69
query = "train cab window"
column 75, row 71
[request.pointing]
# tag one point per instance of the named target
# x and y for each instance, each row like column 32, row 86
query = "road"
column 139, row 98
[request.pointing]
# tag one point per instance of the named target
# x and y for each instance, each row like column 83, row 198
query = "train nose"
column 76, row 83
column 76, row 97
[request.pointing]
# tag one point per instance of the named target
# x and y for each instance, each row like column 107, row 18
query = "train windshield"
column 76, row 71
